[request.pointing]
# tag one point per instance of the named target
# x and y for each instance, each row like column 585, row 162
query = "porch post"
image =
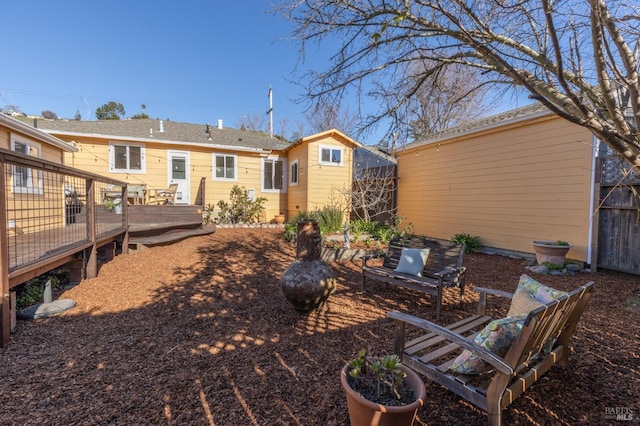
column 5, row 309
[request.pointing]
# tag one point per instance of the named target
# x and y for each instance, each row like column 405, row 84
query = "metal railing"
column 52, row 213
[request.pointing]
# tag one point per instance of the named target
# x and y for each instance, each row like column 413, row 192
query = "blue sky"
column 191, row 61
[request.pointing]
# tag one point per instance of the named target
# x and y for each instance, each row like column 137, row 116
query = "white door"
column 178, row 172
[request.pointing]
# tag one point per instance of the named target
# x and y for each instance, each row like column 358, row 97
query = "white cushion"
column 412, row 261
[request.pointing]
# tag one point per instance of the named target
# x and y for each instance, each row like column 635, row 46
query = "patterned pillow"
column 531, row 294
column 497, row 336
column 412, row 261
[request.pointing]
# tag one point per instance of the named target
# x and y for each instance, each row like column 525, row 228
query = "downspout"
column 592, row 204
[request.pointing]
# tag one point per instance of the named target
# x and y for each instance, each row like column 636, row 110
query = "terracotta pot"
column 279, row 219
column 363, row 412
column 549, row 251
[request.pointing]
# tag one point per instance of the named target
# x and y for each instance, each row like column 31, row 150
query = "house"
column 293, row 177
column 320, row 168
column 511, row 178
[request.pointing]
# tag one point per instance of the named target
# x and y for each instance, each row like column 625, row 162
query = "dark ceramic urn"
column 308, row 282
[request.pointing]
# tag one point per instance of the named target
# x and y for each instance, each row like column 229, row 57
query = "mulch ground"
column 199, row 333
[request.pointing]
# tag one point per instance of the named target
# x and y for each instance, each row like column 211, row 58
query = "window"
column 331, row 156
column 273, row 178
column 225, row 167
column 26, row 179
column 293, row 172
column 126, row 158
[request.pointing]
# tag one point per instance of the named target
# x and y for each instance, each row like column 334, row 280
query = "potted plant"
column 114, row 205
column 553, row 252
column 381, row 391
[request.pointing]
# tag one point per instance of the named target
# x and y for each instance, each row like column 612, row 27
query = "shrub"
column 472, row 242
column 362, row 226
column 291, row 227
column 240, row 208
column 329, row 219
column 32, row 291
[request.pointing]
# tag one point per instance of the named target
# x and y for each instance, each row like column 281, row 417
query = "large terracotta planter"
column 550, row 251
column 279, row 219
column 363, row 412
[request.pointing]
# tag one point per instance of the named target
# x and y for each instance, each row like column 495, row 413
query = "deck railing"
column 53, row 214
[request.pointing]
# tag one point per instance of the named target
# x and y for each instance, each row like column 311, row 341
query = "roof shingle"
column 163, row 131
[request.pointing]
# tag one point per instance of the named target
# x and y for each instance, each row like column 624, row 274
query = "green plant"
column 552, row 266
column 384, row 233
column 240, row 208
column 111, row 203
column 291, row 226
column 362, row 226
column 32, row 291
column 329, row 219
column 208, row 214
column 379, row 379
column 562, row 243
column 472, row 242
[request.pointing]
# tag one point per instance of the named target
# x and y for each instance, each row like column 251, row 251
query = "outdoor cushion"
column 412, row 261
column 530, row 294
column 497, row 336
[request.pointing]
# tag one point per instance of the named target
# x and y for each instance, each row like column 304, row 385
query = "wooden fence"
column 618, row 232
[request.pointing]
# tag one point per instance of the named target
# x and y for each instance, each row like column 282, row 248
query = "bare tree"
column 579, row 59
column 372, row 195
column 253, row 123
column 49, row 114
column 446, row 99
column 325, row 116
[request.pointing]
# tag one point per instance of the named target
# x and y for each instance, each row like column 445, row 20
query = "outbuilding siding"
column 508, row 185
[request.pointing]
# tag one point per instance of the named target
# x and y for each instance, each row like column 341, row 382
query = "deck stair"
column 160, row 225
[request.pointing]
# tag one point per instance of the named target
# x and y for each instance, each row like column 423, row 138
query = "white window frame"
column 331, row 149
column 294, row 175
column 34, row 184
column 112, row 158
column 235, row 167
column 284, row 172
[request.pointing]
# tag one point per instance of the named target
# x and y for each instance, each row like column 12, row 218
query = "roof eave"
column 161, row 141
column 36, row 133
column 489, row 127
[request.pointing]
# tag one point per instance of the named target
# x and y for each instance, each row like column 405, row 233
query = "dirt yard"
column 199, row 333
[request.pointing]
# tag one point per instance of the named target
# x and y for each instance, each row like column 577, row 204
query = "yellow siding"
column 297, row 196
column 327, row 183
column 93, row 156
column 509, row 186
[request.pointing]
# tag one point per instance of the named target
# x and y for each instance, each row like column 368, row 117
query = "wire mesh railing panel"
column 44, row 212
column 108, row 200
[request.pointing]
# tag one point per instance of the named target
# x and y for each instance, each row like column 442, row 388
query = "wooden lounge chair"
column 542, row 342
column 162, row 196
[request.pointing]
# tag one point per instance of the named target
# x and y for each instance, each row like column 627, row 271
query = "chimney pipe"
column 161, row 130
column 219, row 124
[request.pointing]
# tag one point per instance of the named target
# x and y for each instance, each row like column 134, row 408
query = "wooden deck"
column 32, row 254
column 158, row 225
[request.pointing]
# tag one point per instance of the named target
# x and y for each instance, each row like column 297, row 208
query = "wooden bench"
column 442, row 269
column 542, row 343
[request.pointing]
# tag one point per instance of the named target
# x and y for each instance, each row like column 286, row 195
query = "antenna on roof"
column 270, row 111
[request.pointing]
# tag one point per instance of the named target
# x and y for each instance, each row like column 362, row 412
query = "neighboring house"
column 20, row 137
column 292, row 177
column 25, row 185
column 519, row 176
